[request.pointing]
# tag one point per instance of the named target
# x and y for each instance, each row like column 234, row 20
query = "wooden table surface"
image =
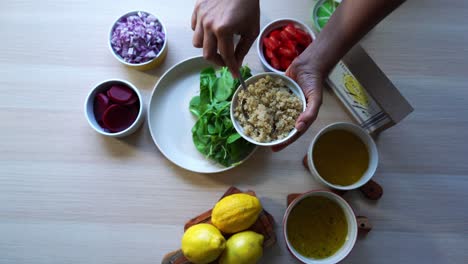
column 69, row 195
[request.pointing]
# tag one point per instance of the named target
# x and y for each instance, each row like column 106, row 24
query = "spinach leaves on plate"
column 214, row 134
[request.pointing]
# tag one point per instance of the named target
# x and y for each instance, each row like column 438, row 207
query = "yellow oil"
column 340, row 157
column 317, row 227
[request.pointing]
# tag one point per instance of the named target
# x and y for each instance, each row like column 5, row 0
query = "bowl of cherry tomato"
column 281, row 41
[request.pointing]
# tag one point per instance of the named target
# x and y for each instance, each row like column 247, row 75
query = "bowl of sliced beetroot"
column 114, row 108
column 281, row 41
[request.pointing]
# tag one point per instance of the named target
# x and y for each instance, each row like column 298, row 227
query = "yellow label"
column 355, row 89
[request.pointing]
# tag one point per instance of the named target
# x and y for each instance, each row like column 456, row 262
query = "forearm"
column 350, row 22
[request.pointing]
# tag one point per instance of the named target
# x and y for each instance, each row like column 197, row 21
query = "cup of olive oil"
column 319, row 228
column 342, row 156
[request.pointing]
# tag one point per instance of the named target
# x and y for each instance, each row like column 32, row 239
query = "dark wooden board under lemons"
column 264, row 225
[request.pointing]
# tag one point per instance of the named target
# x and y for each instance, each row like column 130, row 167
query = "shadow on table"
column 251, row 172
column 127, row 147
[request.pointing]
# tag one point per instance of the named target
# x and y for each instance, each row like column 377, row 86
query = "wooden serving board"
column 264, row 225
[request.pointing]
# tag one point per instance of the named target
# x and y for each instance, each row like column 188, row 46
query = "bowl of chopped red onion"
column 138, row 40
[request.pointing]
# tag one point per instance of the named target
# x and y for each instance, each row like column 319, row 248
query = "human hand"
column 304, row 71
column 215, row 22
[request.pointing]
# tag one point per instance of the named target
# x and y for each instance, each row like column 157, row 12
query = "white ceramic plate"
column 170, row 121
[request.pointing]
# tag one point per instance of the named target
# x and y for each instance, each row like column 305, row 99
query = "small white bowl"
column 268, row 29
column 290, row 83
column 89, row 108
column 350, row 219
column 147, row 65
column 365, row 138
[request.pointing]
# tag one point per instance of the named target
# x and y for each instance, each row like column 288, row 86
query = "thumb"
column 312, row 88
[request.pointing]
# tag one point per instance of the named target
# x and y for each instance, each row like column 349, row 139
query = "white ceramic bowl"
column 292, row 85
column 365, row 138
column 156, row 61
column 268, row 29
column 352, row 229
column 89, row 108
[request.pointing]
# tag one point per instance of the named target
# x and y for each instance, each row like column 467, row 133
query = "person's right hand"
column 215, row 22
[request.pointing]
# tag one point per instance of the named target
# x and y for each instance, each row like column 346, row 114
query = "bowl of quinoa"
column 265, row 113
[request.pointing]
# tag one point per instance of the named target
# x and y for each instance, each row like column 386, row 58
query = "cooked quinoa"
column 267, row 110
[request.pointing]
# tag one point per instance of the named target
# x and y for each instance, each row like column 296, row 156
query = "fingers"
column 303, row 122
column 313, row 90
column 194, row 19
column 226, row 49
column 198, row 35
column 243, row 48
column 210, row 49
column 307, row 117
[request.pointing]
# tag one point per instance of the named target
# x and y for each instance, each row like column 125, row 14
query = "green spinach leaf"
column 213, row 134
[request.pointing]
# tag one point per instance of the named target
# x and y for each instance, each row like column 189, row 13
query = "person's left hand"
column 310, row 79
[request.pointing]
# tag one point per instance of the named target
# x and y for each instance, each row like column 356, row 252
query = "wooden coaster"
column 264, row 225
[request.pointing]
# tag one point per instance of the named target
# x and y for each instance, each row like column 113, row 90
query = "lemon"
column 202, row 243
column 236, row 212
column 243, row 248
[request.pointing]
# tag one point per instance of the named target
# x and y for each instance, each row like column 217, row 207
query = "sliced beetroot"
column 120, row 94
column 133, row 100
column 101, row 103
column 134, row 109
column 117, row 118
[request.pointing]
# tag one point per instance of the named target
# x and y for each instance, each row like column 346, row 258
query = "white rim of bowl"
column 343, row 204
column 88, row 101
column 120, row 59
column 371, row 146
column 267, row 29
column 275, row 142
column 154, row 138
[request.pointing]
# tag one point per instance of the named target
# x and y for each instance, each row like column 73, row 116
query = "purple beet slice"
column 118, row 118
column 101, row 103
column 120, row 94
column 132, row 100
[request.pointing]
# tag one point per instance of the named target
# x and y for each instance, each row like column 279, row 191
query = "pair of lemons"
column 204, row 243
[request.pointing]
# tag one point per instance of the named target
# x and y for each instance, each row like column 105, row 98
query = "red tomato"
column 275, row 34
column 269, row 53
column 285, row 62
column 291, row 44
column 284, row 36
column 287, row 52
column 270, row 44
column 303, row 37
column 290, row 31
column 275, row 41
column 275, row 63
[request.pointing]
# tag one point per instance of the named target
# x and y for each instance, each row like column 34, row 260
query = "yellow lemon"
column 236, row 212
column 202, row 243
column 243, row 248
column 355, row 89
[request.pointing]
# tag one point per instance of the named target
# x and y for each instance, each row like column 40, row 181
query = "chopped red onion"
column 138, row 38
